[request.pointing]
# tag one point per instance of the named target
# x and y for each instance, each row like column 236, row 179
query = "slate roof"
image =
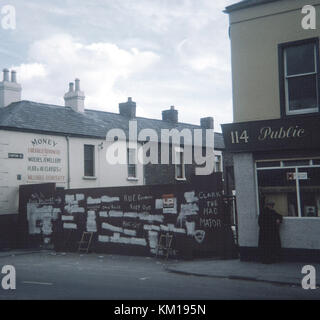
column 246, row 4
column 31, row 116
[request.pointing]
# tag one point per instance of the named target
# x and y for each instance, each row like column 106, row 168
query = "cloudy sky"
column 160, row 52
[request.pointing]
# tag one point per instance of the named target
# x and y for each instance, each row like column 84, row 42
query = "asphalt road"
column 72, row 276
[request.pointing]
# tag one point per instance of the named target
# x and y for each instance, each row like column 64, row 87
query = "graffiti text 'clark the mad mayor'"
column 209, row 195
column 211, row 203
column 282, row 133
column 210, row 223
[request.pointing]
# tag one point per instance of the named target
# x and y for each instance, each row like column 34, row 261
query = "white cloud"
column 60, row 59
column 160, row 52
column 30, row 72
column 191, row 52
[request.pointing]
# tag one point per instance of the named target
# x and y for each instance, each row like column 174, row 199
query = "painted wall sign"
column 15, row 155
column 45, row 161
column 293, row 133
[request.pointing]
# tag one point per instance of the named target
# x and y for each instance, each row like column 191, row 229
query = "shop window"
column 295, row 191
column 132, row 162
column 263, row 164
column 299, row 77
column 309, row 185
column 278, row 185
column 88, row 160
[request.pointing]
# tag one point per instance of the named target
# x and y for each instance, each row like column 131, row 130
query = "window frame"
column 283, row 87
column 85, row 160
column 282, row 166
column 129, row 165
column 219, row 156
column 180, row 151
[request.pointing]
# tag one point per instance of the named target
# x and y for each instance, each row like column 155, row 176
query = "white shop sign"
column 301, row 176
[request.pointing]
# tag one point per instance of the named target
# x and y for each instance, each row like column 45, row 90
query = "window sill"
column 132, row 179
column 290, row 114
column 181, row 179
column 300, row 218
column 300, row 114
column 89, row 178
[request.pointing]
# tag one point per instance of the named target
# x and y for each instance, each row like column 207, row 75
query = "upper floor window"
column 299, row 64
column 88, row 160
column 132, row 162
column 218, row 163
column 179, row 163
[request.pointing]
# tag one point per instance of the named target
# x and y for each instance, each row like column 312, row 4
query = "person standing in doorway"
column 269, row 235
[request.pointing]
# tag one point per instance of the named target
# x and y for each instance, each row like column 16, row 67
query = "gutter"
column 246, row 4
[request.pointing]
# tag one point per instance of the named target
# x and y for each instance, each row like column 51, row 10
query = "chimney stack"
column 170, row 115
column 128, row 109
column 75, row 98
column 207, row 123
column 10, row 91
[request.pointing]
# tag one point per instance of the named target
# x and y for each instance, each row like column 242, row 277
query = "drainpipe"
column 100, row 147
column 68, row 161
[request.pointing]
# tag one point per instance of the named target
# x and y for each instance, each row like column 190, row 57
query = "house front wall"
column 21, row 158
column 32, row 158
column 105, row 173
column 166, row 173
column 255, row 34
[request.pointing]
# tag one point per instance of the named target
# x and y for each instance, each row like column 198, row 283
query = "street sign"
column 15, row 155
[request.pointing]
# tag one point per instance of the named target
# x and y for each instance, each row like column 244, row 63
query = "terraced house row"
column 67, row 145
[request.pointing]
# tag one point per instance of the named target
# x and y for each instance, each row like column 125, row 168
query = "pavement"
column 286, row 273
column 12, row 253
column 277, row 273
column 48, row 275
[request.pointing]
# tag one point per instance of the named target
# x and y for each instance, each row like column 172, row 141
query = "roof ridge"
column 101, row 111
column 145, row 118
column 38, row 117
column 39, row 103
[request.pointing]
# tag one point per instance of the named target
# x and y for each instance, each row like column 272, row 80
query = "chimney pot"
column 5, row 74
column 71, row 87
column 77, row 82
column 13, row 76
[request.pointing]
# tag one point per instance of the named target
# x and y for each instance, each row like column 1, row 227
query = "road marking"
column 36, row 282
